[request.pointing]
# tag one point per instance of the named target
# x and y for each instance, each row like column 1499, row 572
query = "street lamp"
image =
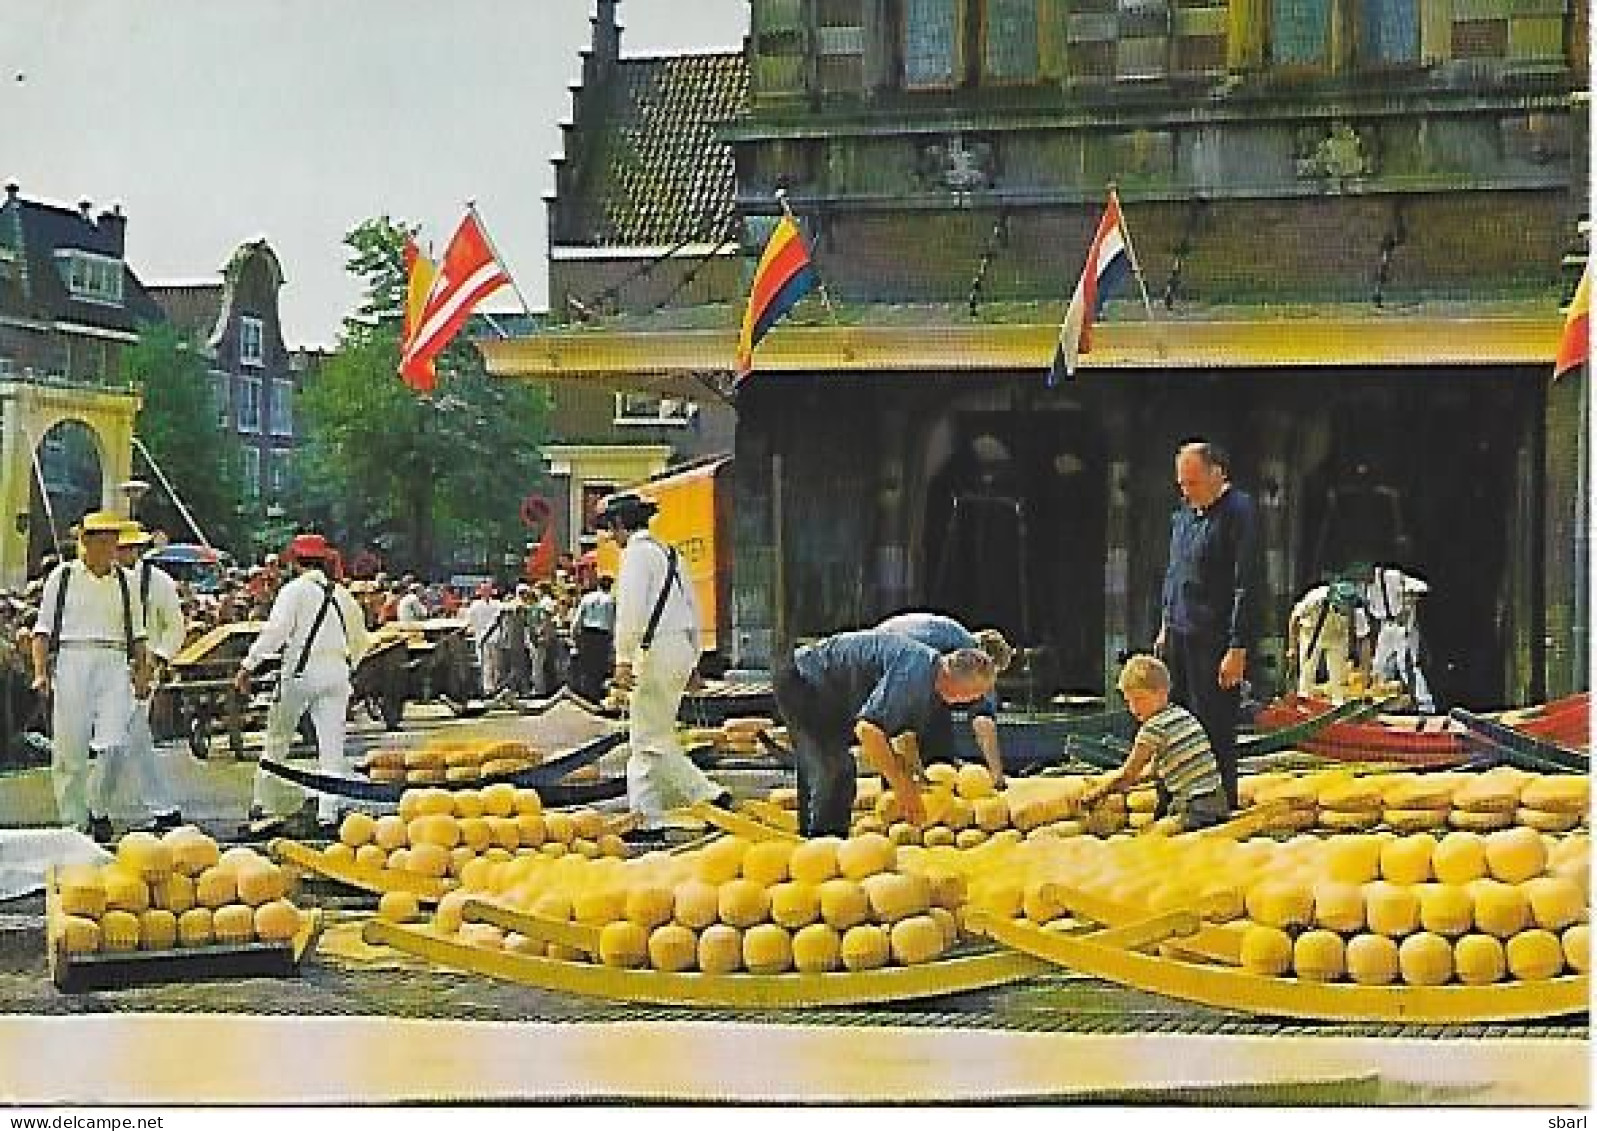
column 133, row 491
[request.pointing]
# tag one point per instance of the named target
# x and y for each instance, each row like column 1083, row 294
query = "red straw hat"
column 310, row 546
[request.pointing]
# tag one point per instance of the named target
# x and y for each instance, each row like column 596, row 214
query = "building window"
column 282, row 408
column 652, row 410
column 252, row 473
column 219, row 394
column 1009, row 40
column 279, row 475
column 1389, row 32
column 1300, row 32
column 90, row 277
column 251, row 341
column 249, row 404
column 932, row 35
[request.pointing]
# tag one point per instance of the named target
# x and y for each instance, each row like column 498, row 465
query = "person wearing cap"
column 657, row 648
column 162, row 610
column 320, row 633
column 412, row 609
column 943, row 635
column 89, row 659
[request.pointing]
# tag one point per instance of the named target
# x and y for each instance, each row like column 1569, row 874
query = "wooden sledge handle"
column 737, row 824
column 773, row 815
column 577, row 936
column 1244, row 824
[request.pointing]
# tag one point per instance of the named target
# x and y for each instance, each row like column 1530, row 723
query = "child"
column 1171, row 743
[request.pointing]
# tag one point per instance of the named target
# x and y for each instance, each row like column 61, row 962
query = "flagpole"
column 820, row 281
column 1131, row 252
column 526, row 307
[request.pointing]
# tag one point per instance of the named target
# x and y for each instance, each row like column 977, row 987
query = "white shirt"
column 481, row 615
column 93, row 611
column 643, row 572
column 1306, row 615
column 412, row 609
column 597, row 609
column 1393, row 596
column 163, row 610
column 291, row 618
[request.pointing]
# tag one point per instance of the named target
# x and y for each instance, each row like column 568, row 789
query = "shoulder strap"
column 145, row 569
column 316, row 626
column 659, row 602
column 64, row 572
column 127, row 609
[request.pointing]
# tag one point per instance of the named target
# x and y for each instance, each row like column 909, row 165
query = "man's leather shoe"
column 100, row 829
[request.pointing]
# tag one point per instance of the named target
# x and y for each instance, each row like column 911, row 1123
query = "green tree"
column 421, row 476
column 177, row 424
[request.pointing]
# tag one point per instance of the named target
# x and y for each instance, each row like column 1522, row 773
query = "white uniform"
column 322, row 688
column 412, row 609
column 481, row 616
column 1331, row 644
column 659, row 775
column 93, row 683
column 1393, row 598
column 152, row 774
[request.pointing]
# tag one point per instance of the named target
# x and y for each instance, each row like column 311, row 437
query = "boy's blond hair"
column 1144, row 673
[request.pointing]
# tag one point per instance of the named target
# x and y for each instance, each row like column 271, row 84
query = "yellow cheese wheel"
column 530, row 831
column 1281, row 903
column 695, row 904
column 894, row 895
column 915, row 940
column 767, row 949
column 938, row 836
column 1372, row 960
column 1417, row 791
column 357, row 828
column 1500, row 909
column 371, row 856
column 720, row 949
column 1558, row 793
column 1391, row 909
column 587, row 824
column 1221, row 900
column 1446, row 909
column 650, row 905
column 260, row 883
column 444, row 832
column 743, row 903
column 1266, row 950
column 974, row 781
column 1407, row 860
column 1459, row 858
column 1317, row 956
column 194, row 927
column 119, row 931
column 1577, row 948
column 844, row 903
column 505, row 832
column 721, row 860
column 946, row 887
column 464, row 804
column 558, row 827
column 862, row 856
column 447, row 918
column 499, row 799
column 340, row 853
column 1483, row 821
column 474, row 833
column 1545, row 822
column 795, row 905
column 398, row 907
column 1417, row 820
column 865, row 947
column 624, row 944
column 1425, row 959
column 276, row 922
column 1352, row 820
column 902, row 833
column 157, row 930
column 1487, row 794
column 969, row 838
column 611, row 845
column 1555, row 902
column 145, row 855
column 1339, row 906
column 81, row 892
column 234, row 924
column 1351, row 795
column 598, row 906
column 1515, row 855
column 766, row 863
column 817, row 949
column 1533, row 956
column 1353, row 859
column 389, row 833
column 79, row 934
column 434, row 803
column 399, row 860
column 991, row 813
column 236, row 857
column 528, row 802
column 124, row 890
column 1478, row 960
column 941, row 773
column 673, row 948
column 428, row 860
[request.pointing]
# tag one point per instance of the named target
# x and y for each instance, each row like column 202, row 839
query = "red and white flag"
column 469, row 273
column 419, row 373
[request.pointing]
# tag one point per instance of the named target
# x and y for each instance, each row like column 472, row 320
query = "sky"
column 214, row 122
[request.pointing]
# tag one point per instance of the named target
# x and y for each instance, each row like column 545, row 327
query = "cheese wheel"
column 1459, row 857
column 398, row 907
column 1500, row 909
column 721, row 860
column 1478, row 960
column 673, row 948
column 817, row 949
column 125, row 890
column 194, row 927
column 1533, row 956
column 1407, row 860
column 1558, row 793
column 276, row 922
column 1318, row 956
column 1545, row 822
column 1481, row 822
column 650, row 905
column 767, row 949
column 862, row 856
column 720, row 949
column 81, row 892
column 119, row 931
column 1354, row 859
column 1339, row 906
column 1372, row 960
column 146, row 856
column 216, row 887
column 766, row 863
column 916, row 939
column 1266, row 950
column 1281, row 903
column 357, row 828
column 865, row 947
column 624, row 944
column 1353, row 820
column 1425, row 959
column 795, row 905
column 1446, row 909
column 893, row 896
column 1391, row 909
column 1416, row 820
column 390, row 833
column 1577, row 948
column 844, row 903
column 528, row 802
column 79, row 934
column 157, row 930
column 1555, row 902
column 234, row 924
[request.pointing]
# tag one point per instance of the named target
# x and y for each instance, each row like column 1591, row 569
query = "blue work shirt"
column 942, row 635
column 1211, row 587
column 877, row 677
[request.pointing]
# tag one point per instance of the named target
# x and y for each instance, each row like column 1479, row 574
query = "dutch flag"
column 1107, row 262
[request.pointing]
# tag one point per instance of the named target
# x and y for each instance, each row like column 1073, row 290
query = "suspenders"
column 58, row 614
column 659, row 604
column 328, row 590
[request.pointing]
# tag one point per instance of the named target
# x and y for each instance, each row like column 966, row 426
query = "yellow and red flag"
column 468, row 273
column 420, row 270
column 785, row 275
column 1575, row 346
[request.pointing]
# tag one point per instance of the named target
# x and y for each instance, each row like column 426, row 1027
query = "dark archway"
column 70, row 459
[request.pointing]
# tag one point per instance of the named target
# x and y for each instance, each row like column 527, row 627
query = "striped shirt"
column 1183, row 760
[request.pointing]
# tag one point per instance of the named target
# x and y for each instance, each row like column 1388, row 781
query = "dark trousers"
column 592, row 664
column 820, row 733
column 1194, row 663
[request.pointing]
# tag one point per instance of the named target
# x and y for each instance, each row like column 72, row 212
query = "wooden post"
column 778, row 565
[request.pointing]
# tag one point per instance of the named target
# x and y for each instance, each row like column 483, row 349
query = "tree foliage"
column 177, row 424
column 427, row 479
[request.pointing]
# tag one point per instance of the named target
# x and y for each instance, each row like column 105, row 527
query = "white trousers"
column 659, row 775
column 488, row 663
column 1397, row 657
column 148, row 772
column 92, row 708
column 1332, row 647
column 322, row 691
